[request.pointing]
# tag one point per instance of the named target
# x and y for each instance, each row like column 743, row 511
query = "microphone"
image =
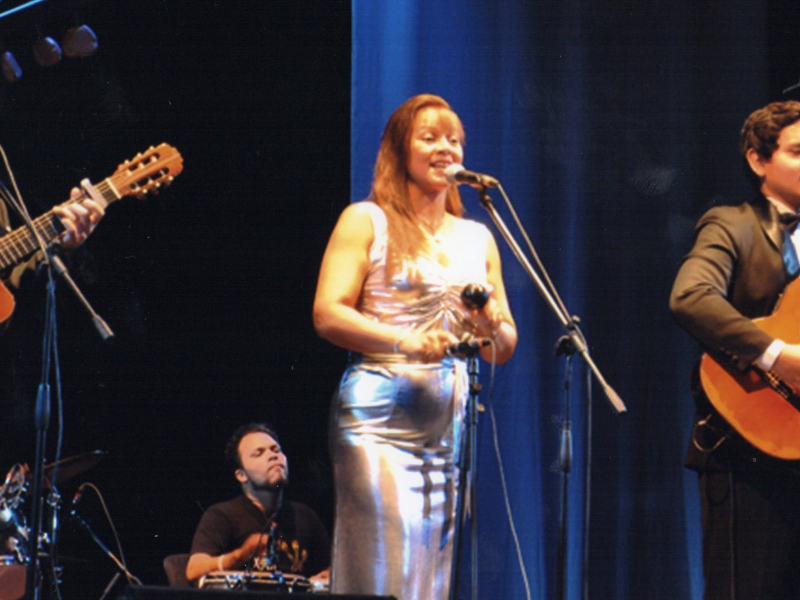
column 474, row 296
column 76, row 499
column 467, row 347
column 456, row 173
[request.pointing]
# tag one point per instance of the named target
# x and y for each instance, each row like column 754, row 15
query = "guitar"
column 761, row 407
column 146, row 172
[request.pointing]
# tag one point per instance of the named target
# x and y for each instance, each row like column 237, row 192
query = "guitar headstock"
column 148, row 171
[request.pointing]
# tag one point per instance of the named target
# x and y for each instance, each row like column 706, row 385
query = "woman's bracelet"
column 220, row 566
column 404, row 335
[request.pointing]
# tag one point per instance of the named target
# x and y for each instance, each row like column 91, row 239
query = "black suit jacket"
column 734, row 273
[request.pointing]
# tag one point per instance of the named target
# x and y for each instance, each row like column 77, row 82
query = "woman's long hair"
column 389, row 185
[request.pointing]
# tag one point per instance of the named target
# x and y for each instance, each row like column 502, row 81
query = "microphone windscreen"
column 453, row 170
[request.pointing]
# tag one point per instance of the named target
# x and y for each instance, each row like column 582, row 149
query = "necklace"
column 435, row 229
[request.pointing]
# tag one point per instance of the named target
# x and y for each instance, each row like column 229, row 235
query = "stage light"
column 10, row 67
column 80, row 41
column 46, row 51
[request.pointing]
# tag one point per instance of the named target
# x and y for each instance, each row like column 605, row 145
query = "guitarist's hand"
column 80, row 219
column 787, row 366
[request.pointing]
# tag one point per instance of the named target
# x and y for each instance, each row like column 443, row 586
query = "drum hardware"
column 14, row 531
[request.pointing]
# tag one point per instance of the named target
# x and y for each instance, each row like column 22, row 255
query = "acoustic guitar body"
column 6, row 304
column 766, row 415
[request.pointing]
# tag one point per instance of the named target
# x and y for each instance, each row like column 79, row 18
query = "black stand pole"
column 467, row 479
column 42, row 419
column 564, row 346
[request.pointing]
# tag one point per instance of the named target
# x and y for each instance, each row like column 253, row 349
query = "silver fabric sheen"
column 397, row 428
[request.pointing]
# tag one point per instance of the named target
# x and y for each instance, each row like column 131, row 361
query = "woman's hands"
column 426, row 346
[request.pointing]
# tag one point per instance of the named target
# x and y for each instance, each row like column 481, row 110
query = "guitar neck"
column 21, row 243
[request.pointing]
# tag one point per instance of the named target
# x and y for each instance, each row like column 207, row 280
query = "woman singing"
column 390, row 291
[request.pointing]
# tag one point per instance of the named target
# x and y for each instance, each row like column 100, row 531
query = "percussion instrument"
column 258, row 581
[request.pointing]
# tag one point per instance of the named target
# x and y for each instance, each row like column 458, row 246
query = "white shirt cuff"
column 767, row 360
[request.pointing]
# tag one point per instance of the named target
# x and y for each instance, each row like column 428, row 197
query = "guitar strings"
column 17, row 245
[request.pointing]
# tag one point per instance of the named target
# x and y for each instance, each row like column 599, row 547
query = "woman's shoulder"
column 359, row 215
column 362, row 223
column 363, row 211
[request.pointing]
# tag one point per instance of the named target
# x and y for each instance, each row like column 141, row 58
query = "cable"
column 498, row 456
column 18, row 205
column 120, row 562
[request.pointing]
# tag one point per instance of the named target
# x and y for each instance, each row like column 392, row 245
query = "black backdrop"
column 209, row 285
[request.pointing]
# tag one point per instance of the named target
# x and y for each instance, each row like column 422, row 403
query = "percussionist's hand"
column 321, row 579
column 80, row 219
column 254, row 545
column 787, row 366
column 427, row 346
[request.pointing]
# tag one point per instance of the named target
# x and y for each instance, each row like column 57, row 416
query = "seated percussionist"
column 259, row 531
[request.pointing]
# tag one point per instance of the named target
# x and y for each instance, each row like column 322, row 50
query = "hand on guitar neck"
column 80, row 216
column 74, row 220
column 787, row 366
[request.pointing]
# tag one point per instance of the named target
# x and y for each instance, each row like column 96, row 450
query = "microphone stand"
column 576, row 345
column 33, row 575
column 467, row 476
column 569, row 323
column 564, row 346
column 43, row 407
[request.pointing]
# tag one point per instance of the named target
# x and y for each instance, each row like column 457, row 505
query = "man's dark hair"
column 232, row 447
column 762, row 129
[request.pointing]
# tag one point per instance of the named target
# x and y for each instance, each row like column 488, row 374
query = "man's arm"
column 699, row 300
column 202, row 563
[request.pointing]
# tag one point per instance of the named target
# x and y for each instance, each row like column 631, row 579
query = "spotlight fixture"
column 46, row 51
column 10, row 67
column 80, row 41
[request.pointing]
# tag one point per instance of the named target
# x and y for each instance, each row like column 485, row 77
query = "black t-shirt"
column 301, row 545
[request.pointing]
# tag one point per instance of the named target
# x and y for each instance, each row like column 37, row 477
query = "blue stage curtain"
column 612, row 126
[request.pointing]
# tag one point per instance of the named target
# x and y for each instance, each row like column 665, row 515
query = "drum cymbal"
column 69, row 467
column 73, row 466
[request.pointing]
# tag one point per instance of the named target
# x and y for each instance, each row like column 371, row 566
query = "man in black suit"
column 742, row 260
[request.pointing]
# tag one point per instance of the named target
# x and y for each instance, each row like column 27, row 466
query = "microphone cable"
column 120, row 562
column 501, row 472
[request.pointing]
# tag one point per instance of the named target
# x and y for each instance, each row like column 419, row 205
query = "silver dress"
column 397, row 428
